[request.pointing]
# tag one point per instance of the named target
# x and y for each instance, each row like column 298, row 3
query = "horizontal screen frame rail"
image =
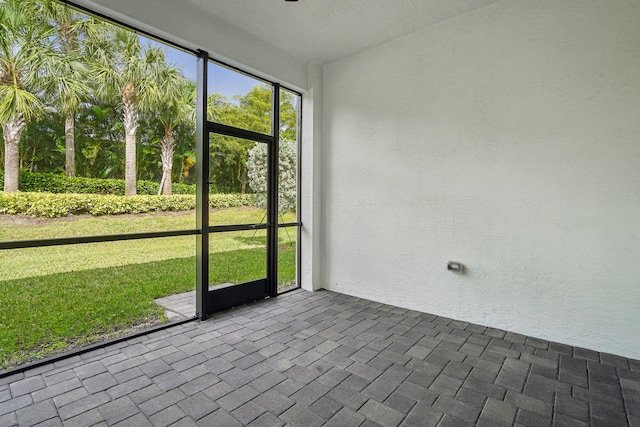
column 237, row 227
column 235, row 132
column 290, row 224
column 59, row 241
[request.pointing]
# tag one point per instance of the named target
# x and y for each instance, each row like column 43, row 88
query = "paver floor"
column 324, row 358
column 179, row 306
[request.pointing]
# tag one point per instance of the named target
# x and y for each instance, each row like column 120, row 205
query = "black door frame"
column 211, row 301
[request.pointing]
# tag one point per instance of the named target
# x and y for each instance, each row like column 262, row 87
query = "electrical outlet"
column 456, row 267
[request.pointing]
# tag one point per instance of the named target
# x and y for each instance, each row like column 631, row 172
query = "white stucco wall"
column 310, row 157
column 509, row 140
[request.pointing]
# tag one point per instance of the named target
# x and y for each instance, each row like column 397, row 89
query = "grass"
column 55, row 298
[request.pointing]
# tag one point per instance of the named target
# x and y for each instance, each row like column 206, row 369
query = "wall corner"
column 311, row 180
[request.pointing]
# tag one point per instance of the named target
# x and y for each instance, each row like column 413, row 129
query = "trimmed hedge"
column 56, row 183
column 48, row 205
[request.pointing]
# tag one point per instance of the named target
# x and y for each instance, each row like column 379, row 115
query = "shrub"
column 287, row 185
column 231, row 200
column 179, row 188
column 56, row 183
column 50, row 205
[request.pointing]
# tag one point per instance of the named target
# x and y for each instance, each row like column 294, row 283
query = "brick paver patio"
column 327, row 359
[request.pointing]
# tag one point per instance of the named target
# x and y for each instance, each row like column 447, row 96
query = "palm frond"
column 15, row 101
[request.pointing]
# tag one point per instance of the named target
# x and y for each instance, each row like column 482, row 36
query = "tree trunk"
column 11, row 131
column 167, row 146
column 242, row 177
column 130, row 122
column 164, row 174
column 69, row 144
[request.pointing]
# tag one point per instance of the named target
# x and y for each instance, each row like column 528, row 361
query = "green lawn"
column 55, row 298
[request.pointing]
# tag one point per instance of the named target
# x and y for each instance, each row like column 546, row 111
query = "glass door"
column 243, row 222
column 238, row 228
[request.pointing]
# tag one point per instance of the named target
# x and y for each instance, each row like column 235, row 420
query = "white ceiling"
column 309, row 30
column 327, row 30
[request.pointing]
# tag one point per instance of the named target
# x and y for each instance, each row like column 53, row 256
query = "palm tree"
column 22, row 46
column 67, row 69
column 177, row 105
column 132, row 73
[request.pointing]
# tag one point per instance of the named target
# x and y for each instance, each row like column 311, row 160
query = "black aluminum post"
column 202, row 189
column 272, row 196
column 298, row 190
column 298, row 157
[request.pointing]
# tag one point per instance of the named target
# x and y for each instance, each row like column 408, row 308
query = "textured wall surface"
column 311, row 182
column 507, row 139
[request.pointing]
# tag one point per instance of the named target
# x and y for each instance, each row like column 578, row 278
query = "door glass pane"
column 289, row 120
column 287, row 258
column 237, row 257
column 288, row 157
column 288, row 181
column 238, row 100
column 288, row 191
column 238, row 181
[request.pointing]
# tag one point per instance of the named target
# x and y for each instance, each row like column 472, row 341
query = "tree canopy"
column 83, row 97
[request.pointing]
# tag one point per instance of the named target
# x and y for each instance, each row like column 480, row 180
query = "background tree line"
column 83, row 97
